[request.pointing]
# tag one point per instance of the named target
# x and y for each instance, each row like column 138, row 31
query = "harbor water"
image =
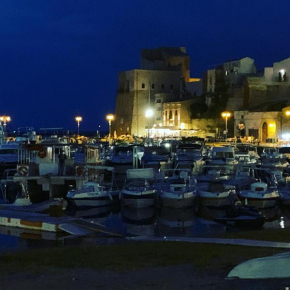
column 148, row 222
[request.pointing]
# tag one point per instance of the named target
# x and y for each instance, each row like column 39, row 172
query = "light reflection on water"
column 142, row 222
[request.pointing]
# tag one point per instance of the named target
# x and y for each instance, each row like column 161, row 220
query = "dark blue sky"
column 61, row 58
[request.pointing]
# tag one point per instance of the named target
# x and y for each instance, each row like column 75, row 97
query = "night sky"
column 61, row 58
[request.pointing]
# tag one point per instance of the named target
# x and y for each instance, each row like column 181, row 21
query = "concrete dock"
column 46, row 223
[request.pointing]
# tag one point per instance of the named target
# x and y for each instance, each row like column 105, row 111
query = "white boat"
column 272, row 158
column 178, row 190
column 189, row 156
column 223, row 155
column 139, row 191
column 92, row 194
column 99, row 190
column 121, row 155
column 214, row 194
column 260, row 195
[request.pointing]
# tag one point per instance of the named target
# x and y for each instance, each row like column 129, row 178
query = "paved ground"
column 173, row 277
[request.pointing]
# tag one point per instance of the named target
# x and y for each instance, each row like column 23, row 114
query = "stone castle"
column 257, row 102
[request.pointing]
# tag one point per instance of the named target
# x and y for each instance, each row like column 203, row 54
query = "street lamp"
column 110, row 118
column 5, row 119
column 226, row 115
column 148, row 114
column 78, row 119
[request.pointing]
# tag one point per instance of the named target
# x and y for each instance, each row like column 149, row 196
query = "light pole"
column 226, row 115
column 110, row 118
column 148, row 114
column 78, row 119
column 5, row 119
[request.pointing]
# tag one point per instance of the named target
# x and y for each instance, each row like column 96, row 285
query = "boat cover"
column 145, row 173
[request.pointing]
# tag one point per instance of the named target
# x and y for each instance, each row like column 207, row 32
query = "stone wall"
column 136, row 93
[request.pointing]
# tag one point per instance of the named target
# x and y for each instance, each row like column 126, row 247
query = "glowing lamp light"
column 226, row 114
column 182, row 126
column 271, row 125
column 110, row 118
column 78, row 120
column 287, row 113
column 149, row 113
column 5, row 119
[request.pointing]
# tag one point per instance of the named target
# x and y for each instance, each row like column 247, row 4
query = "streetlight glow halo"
column 110, row 117
column 226, row 114
column 149, row 113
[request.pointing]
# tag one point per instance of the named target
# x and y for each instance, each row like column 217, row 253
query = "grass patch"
column 274, row 235
column 132, row 256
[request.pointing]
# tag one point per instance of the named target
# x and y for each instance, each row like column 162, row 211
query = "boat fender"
column 42, row 153
column 22, row 171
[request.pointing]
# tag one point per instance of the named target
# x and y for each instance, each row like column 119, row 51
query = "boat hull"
column 94, row 201
column 177, row 200
column 138, row 200
column 210, row 199
column 259, row 202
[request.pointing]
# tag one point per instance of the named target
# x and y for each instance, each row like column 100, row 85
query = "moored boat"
column 139, row 190
column 178, row 190
column 259, row 195
column 92, row 194
column 214, row 194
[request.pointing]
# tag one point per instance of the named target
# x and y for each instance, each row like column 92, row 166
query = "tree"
column 198, row 109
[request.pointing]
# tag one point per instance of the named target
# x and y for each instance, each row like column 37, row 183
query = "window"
column 176, row 113
column 162, row 86
column 159, row 109
column 170, row 115
column 171, row 87
column 153, row 86
column 121, row 121
column 158, row 101
column 143, row 86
